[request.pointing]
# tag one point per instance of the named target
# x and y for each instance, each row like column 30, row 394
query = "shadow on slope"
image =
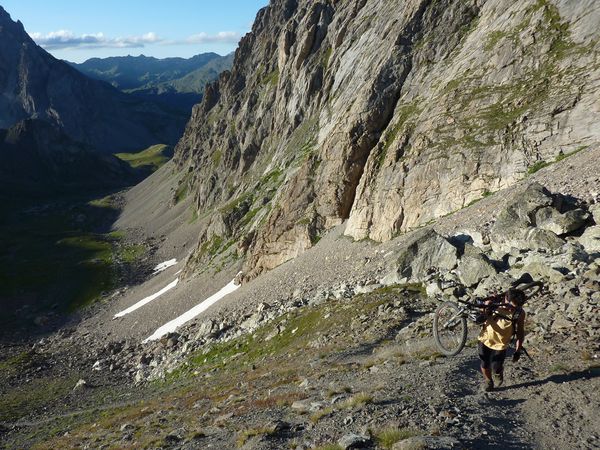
column 57, row 255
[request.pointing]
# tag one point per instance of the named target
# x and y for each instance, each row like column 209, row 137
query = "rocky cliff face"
column 384, row 114
column 33, row 84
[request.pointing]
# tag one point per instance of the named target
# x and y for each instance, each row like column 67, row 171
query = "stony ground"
column 300, row 358
column 361, row 369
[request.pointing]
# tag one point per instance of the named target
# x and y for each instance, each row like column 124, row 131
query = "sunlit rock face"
column 383, row 114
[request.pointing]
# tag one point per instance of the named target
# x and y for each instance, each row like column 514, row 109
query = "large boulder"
column 536, row 239
column 540, row 270
column 513, row 224
column 595, row 211
column 530, row 201
column 495, row 284
column 590, row 240
column 425, row 251
column 550, row 219
column 474, row 266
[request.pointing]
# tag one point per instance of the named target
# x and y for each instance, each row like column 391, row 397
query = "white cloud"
column 227, row 37
column 66, row 39
column 62, row 39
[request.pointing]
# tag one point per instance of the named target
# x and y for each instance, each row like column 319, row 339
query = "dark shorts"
column 491, row 359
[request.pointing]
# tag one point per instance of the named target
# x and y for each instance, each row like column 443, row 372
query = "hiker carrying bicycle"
column 502, row 319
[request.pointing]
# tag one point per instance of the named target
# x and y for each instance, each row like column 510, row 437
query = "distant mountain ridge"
column 176, row 82
column 35, row 85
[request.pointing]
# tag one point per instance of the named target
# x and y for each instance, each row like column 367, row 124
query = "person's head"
column 515, row 297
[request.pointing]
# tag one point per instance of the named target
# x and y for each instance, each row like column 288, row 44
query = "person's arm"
column 520, row 332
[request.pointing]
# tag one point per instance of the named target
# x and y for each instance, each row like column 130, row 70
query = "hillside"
column 363, row 111
column 176, row 82
column 38, row 157
column 36, row 85
column 324, row 350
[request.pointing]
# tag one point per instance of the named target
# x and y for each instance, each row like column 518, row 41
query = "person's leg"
column 497, row 364
column 485, row 355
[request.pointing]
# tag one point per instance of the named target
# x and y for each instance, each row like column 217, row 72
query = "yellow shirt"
column 497, row 332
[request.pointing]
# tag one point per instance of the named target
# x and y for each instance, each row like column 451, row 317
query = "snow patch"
column 164, row 265
column 171, row 326
column 148, row 299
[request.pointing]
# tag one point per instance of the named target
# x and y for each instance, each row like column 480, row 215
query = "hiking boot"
column 487, row 386
column 498, row 379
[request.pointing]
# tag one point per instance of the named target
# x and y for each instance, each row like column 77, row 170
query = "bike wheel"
column 449, row 329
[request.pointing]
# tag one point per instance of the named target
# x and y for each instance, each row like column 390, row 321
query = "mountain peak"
column 29, row 69
column 4, row 14
column 7, row 21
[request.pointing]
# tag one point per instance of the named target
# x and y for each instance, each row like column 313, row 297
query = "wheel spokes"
column 450, row 331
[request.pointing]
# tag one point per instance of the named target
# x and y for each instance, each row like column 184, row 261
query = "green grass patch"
column 107, row 202
column 237, row 203
column 318, row 415
column 216, row 157
column 296, row 331
column 212, row 246
column 360, row 399
column 493, row 38
column 132, row 253
column 485, row 194
column 271, row 79
column 150, row 159
column 326, row 57
column 559, row 368
column 248, row 434
column 562, row 156
column 537, row 166
column 271, row 178
column 387, row 437
column 182, row 189
column 328, row 447
column 15, row 364
column 21, row 400
column 403, row 120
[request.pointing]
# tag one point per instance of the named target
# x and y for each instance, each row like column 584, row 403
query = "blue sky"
column 78, row 30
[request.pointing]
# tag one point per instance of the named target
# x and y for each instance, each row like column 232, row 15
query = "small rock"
column 350, row 441
column 126, row 427
column 223, row 418
column 80, row 385
column 301, row 405
column 173, row 437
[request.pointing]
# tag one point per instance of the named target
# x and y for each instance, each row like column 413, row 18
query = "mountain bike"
column 450, row 319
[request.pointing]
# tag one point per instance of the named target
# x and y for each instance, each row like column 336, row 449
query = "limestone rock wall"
column 387, row 114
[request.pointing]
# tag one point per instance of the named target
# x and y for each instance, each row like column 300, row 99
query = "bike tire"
column 450, row 339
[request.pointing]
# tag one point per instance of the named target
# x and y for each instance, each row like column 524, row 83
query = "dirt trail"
column 533, row 409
